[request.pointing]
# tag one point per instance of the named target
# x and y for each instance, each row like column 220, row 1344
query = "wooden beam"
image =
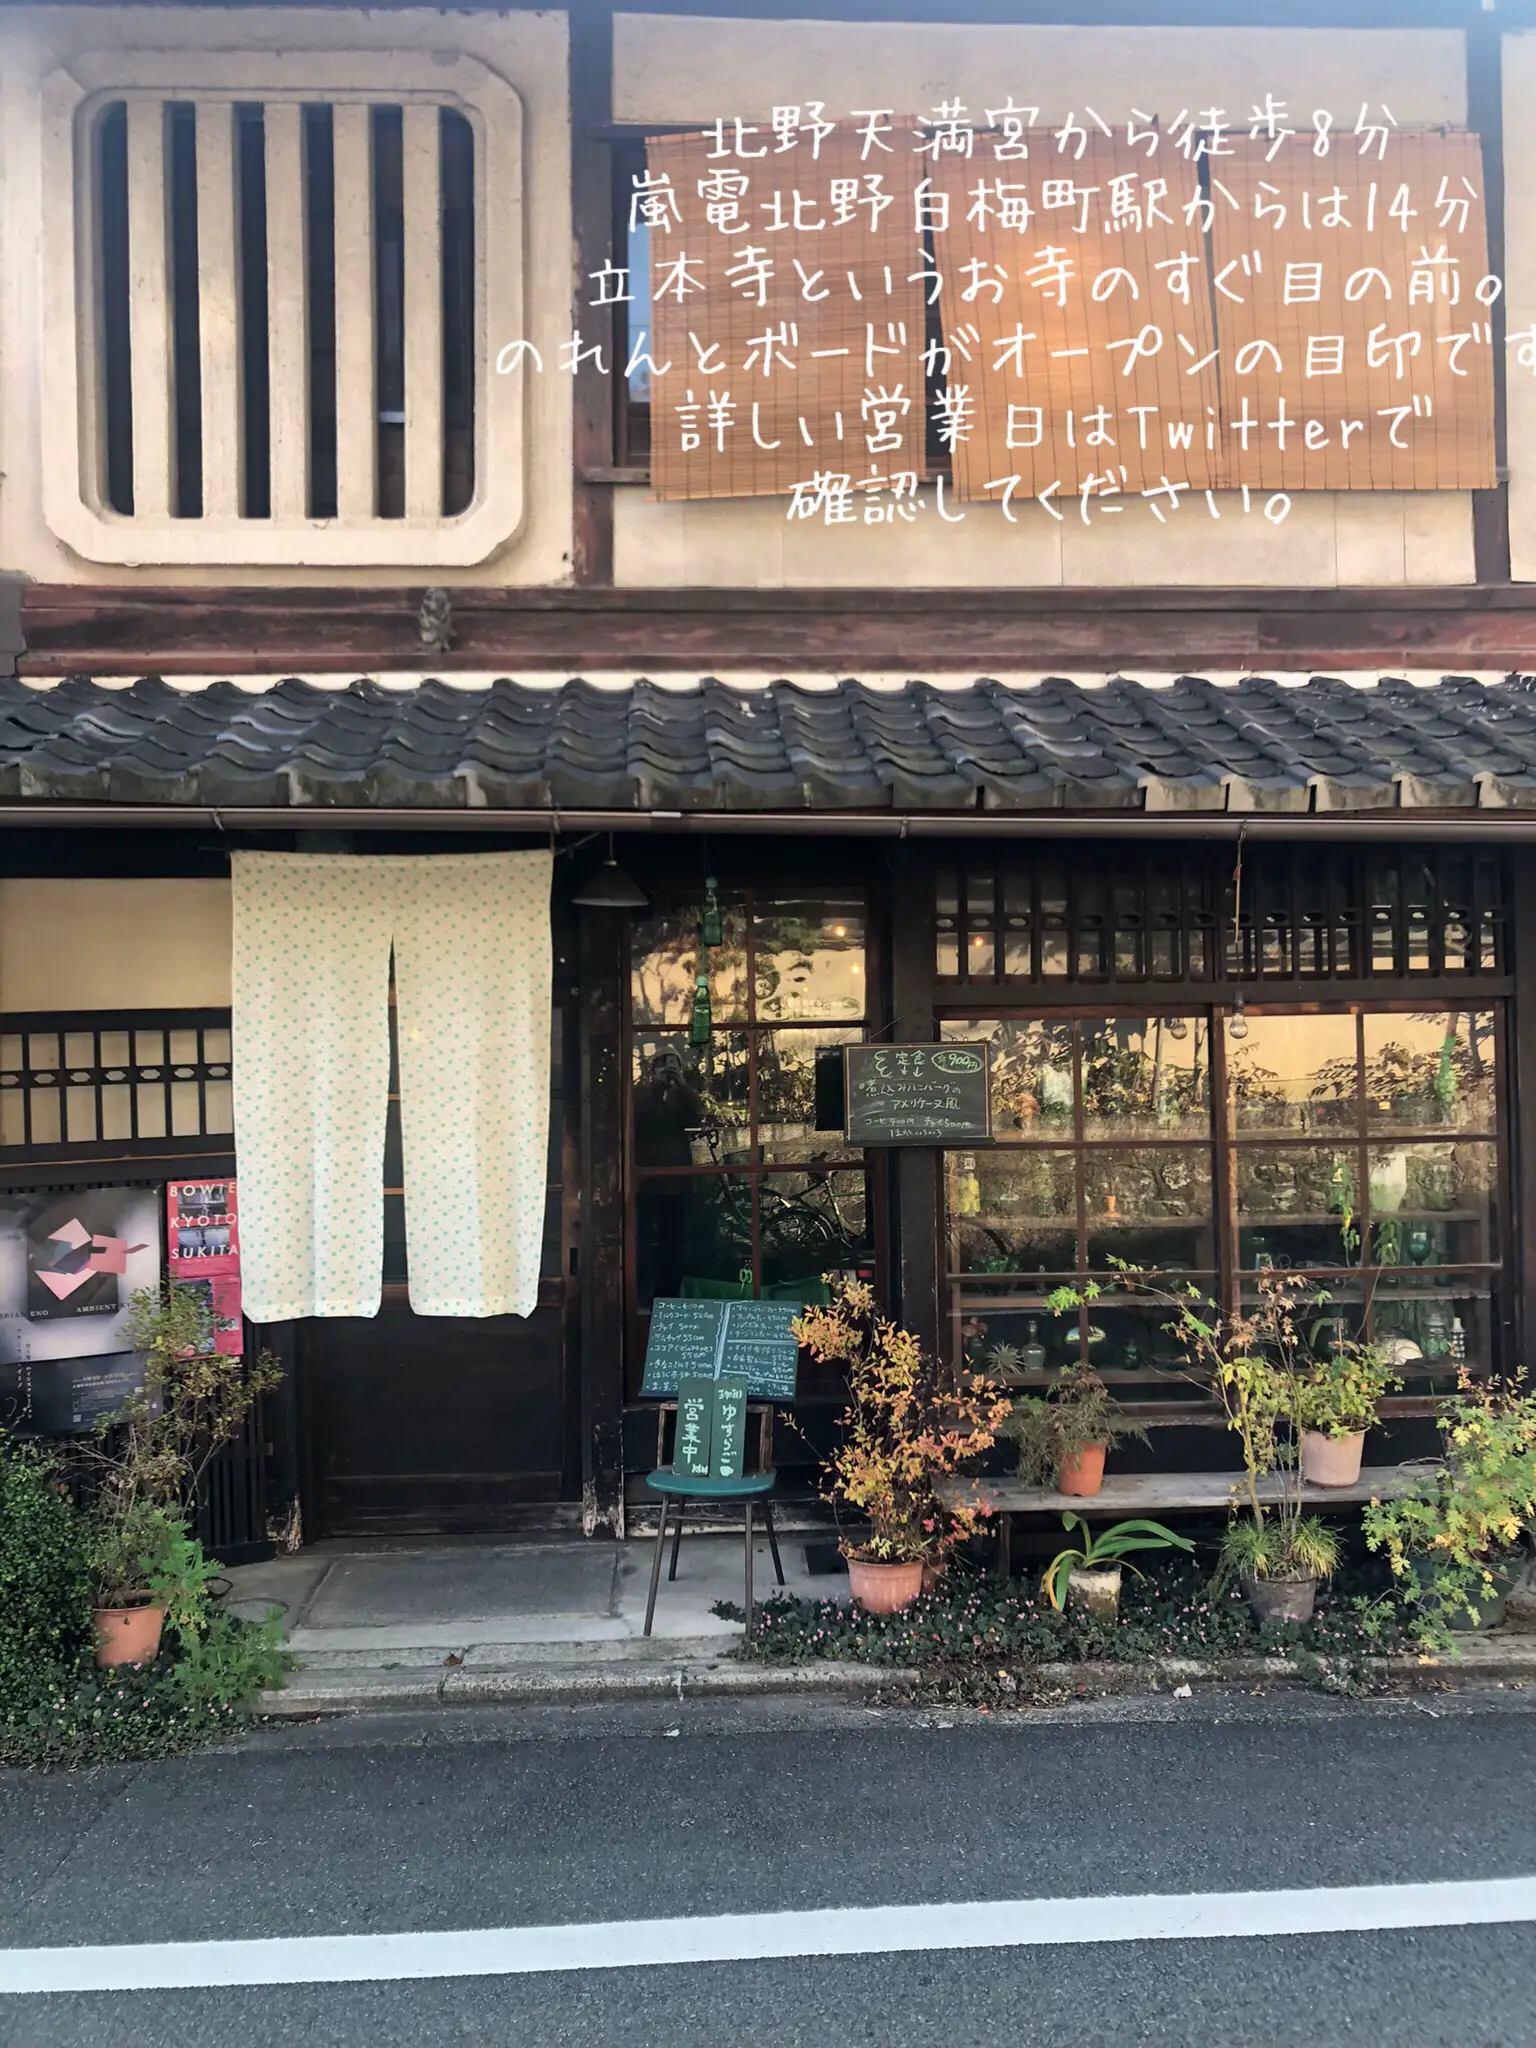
column 1521, row 1101
column 916, row 1213
column 591, row 99
column 1485, row 114
column 112, row 631
column 600, row 1249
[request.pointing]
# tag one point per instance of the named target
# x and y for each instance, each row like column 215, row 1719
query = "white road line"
column 750, row 1937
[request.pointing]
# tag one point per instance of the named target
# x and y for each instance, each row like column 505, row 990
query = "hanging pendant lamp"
column 610, row 888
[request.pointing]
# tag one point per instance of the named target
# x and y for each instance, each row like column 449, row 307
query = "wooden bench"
column 1126, row 1494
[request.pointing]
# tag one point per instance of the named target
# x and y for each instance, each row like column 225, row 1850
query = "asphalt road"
column 535, row 1817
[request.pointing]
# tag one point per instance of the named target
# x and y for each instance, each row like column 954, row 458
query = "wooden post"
column 601, row 1248
column 591, row 72
column 1485, row 113
column 1520, row 1095
column 915, row 1168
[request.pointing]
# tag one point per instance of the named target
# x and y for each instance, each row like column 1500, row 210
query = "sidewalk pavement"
column 393, row 1625
column 402, row 1624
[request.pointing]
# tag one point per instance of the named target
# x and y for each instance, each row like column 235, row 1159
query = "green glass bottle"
column 701, row 1023
column 713, row 929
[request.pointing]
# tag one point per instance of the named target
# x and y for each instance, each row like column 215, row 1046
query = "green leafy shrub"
column 45, row 1584
column 57, row 1709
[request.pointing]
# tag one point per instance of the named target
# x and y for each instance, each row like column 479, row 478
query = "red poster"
column 203, row 1248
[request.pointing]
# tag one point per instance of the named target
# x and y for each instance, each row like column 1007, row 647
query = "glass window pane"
column 1293, row 1073
column 1434, row 1204
column 664, row 966
column 810, row 1224
column 80, row 1116
column 1012, row 1211
column 1416, row 1315
column 1430, row 1067
column 1146, row 1077
column 786, row 1097
column 809, row 959
column 1031, row 1073
column 691, row 1228
column 1150, row 1207
column 691, row 1103
column 1298, row 1206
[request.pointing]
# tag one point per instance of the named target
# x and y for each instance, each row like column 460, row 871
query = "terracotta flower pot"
column 1097, row 1592
column 1084, row 1474
column 1280, row 1599
column 885, row 1588
column 1331, row 1460
column 128, row 1635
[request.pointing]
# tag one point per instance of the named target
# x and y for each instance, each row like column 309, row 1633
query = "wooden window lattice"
column 1300, row 917
column 91, row 1080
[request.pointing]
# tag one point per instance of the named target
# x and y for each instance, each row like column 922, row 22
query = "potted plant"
column 1337, row 1402
column 1257, row 1363
column 906, row 1426
column 1088, row 1573
column 145, row 1467
column 146, row 1567
column 1458, row 1540
column 1064, row 1437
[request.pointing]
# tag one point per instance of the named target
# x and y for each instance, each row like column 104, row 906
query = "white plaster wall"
column 1520, row 286
column 526, row 48
column 684, row 69
column 87, row 944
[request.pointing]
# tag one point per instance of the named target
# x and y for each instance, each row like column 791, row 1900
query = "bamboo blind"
column 1069, row 370
column 869, row 289
column 1450, row 443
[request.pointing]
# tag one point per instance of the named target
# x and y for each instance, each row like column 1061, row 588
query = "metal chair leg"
column 677, row 1542
column 661, row 1539
column 748, row 1505
column 773, row 1541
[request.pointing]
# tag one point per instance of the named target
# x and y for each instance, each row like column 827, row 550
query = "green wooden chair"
column 677, row 1489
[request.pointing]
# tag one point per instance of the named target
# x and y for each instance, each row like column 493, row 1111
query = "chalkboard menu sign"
column 919, row 1094
column 728, row 1449
column 711, row 1339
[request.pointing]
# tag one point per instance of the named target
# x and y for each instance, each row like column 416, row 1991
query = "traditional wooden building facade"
column 1218, row 826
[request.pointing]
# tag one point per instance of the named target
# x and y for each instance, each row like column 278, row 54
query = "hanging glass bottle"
column 713, row 928
column 701, row 1023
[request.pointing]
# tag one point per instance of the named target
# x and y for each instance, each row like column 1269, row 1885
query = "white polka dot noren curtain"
column 313, row 934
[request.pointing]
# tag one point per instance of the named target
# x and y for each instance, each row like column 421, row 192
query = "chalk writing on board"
column 919, row 1094
column 707, row 1339
column 728, row 1454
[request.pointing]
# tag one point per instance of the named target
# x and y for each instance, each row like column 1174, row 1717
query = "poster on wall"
column 70, row 1265
column 203, row 1250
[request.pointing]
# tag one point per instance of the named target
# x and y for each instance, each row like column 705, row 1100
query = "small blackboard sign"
column 708, row 1339
column 730, row 1440
column 692, row 1445
column 919, row 1094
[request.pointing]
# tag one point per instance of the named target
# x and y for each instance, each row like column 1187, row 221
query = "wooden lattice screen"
column 845, row 301
column 1025, row 257
column 1405, row 258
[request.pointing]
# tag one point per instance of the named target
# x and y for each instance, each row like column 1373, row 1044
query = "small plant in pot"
column 1064, row 1437
column 1457, row 1543
column 908, row 1424
column 146, row 1568
column 1338, row 1401
column 1088, row 1573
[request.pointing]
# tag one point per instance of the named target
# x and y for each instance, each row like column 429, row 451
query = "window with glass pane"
column 1102, row 1156
column 736, row 1189
column 1359, row 1147
column 1365, row 1156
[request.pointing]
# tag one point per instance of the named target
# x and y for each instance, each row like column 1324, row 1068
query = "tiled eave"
column 1196, row 748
